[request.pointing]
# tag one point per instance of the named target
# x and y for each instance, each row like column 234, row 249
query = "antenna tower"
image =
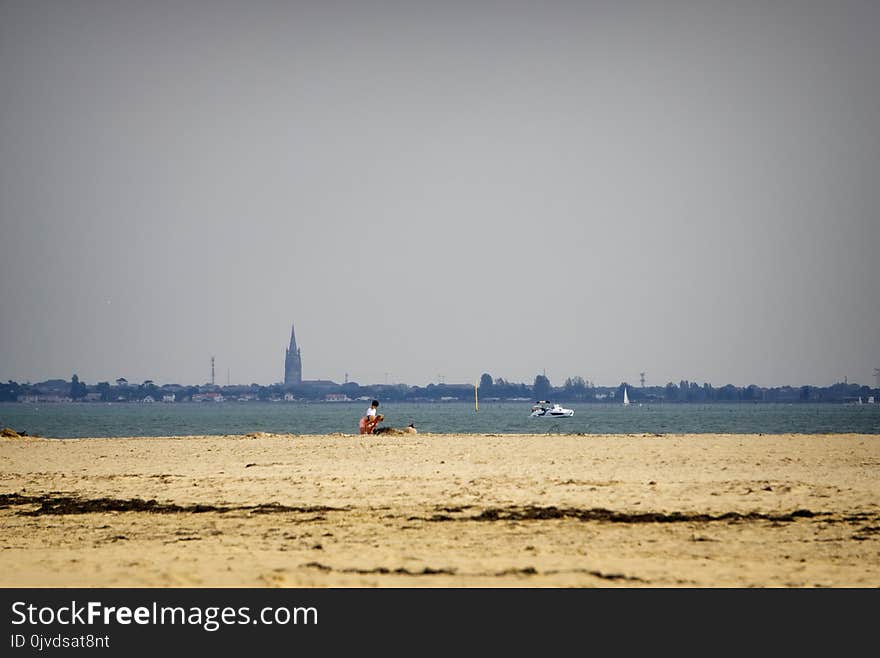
column 877, row 376
column 643, row 379
column 212, row 371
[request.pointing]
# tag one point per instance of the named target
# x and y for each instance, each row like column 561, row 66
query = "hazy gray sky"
column 440, row 189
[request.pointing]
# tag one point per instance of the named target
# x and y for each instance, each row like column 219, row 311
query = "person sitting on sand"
column 370, row 419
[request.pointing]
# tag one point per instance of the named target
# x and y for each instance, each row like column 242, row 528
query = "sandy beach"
column 441, row 511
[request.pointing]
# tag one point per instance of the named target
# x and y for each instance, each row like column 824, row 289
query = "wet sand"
column 441, row 511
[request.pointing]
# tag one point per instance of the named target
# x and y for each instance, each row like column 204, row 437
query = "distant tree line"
column 574, row 389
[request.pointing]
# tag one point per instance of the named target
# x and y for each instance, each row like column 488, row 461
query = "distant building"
column 211, row 396
column 320, row 383
column 293, row 372
column 44, row 398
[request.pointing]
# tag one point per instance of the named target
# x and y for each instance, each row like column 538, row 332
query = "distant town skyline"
column 292, row 373
column 488, row 390
column 432, row 191
column 293, row 377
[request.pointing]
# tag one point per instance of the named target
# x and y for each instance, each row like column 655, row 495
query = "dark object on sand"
column 409, row 429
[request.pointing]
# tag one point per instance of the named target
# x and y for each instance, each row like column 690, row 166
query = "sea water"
column 68, row 420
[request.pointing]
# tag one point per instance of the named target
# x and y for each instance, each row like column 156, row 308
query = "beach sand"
column 441, row 511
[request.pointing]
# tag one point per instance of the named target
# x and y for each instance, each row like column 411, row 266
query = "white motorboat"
column 545, row 409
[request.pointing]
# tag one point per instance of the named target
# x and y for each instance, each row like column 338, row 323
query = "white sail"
column 625, row 396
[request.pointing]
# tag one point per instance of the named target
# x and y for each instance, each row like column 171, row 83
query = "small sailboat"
column 625, row 397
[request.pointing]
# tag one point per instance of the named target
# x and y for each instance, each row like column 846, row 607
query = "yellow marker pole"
column 476, row 402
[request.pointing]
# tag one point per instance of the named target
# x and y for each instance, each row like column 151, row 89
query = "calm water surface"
column 181, row 419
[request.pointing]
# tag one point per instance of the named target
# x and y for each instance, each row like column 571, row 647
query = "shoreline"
column 440, row 435
column 442, row 510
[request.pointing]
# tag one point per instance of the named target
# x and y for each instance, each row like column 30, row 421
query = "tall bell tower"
column 293, row 371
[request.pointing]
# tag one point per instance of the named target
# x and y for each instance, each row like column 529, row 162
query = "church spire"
column 292, row 361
